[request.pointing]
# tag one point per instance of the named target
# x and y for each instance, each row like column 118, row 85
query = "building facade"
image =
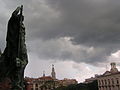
column 110, row 80
column 90, row 80
column 47, row 82
column 66, row 82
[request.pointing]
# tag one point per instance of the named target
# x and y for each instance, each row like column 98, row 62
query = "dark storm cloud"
column 91, row 23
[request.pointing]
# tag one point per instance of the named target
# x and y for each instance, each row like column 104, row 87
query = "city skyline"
column 79, row 37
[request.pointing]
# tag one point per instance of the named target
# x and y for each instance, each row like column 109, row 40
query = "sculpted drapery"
column 14, row 58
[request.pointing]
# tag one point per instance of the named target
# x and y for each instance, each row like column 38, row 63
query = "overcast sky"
column 80, row 37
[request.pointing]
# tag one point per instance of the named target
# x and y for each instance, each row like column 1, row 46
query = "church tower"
column 53, row 74
column 43, row 73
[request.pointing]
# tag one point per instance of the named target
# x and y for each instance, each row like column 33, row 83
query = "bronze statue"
column 14, row 58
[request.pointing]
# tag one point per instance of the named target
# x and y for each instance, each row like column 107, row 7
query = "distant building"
column 110, row 80
column 47, row 82
column 66, row 82
column 90, row 80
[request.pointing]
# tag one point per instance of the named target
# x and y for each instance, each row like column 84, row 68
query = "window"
column 112, row 81
column 108, row 81
column 36, row 85
column 99, row 82
column 117, row 80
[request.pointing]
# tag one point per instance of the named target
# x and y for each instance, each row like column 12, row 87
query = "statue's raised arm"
column 16, row 11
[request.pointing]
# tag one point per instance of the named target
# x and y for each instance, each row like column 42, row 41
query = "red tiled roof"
column 29, row 80
column 46, row 78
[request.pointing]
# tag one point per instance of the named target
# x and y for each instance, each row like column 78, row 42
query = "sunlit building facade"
column 47, row 82
column 110, row 80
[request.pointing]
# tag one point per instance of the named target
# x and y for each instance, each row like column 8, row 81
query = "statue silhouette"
column 14, row 58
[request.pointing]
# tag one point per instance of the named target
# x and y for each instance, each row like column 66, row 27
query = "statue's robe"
column 10, row 53
column 15, row 48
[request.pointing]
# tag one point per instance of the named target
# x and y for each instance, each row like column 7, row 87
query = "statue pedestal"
column 5, row 84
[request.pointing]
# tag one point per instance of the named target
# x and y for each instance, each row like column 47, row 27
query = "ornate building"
column 47, row 82
column 66, row 82
column 92, row 79
column 110, row 80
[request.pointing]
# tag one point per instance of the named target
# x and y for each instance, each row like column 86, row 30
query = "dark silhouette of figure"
column 14, row 58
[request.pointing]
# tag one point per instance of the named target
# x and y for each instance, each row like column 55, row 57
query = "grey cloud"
column 91, row 23
column 61, row 49
column 86, row 21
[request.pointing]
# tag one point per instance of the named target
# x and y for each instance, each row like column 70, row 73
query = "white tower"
column 53, row 74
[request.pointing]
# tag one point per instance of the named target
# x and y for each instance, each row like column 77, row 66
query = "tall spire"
column 43, row 73
column 53, row 74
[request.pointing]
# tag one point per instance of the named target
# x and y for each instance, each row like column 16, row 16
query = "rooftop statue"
column 14, row 58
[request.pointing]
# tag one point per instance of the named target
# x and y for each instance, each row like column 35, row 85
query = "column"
column 33, row 86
